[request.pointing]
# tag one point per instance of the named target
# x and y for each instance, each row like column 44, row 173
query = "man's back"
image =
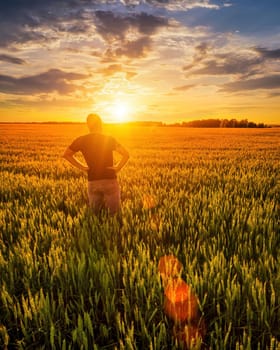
column 97, row 150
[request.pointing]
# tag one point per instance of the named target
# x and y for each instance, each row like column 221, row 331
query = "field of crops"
column 69, row 280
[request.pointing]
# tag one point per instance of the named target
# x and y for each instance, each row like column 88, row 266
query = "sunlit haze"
column 140, row 60
column 120, row 111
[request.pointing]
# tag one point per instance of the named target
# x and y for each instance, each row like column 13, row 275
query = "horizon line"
column 158, row 123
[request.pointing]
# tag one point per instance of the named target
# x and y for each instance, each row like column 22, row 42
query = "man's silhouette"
column 97, row 150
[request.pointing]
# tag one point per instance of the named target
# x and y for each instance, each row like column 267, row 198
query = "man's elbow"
column 67, row 154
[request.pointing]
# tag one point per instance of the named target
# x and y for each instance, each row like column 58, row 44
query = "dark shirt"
column 97, row 150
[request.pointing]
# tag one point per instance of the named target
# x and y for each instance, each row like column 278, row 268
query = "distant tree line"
column 222, row 123
column 204, row 123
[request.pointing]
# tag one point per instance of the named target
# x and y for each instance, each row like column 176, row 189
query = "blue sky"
column 169, row 60
column 250, row 17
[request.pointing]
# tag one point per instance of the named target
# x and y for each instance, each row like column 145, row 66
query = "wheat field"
column 70, row 280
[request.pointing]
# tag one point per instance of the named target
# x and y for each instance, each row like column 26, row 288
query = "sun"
column 120, row 111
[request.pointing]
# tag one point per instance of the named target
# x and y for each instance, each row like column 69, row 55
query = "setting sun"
column 119, row 111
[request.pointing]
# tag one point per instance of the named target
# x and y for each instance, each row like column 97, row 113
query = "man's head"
column 94, row 122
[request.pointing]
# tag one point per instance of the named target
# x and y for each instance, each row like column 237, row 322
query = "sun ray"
column 120, row 111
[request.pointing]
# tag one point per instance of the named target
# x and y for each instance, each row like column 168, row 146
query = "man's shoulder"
column 83, row 138
column 78, row 142
column 109, row 137
column 96, row 139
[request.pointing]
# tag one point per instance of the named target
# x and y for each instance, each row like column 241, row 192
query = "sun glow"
column 120, row 111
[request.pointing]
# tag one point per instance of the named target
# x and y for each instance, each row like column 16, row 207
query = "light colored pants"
column 104, row 194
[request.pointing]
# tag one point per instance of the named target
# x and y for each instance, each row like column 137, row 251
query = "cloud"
column 134, row 49
column 246, row 62
column 15, row 23
column 116, row 26
column 267, row 83
column 110, row 25
column 47, row 22
column 11, row 59
column 201, row 52
column 268, row 54
column 274, row 94
column 148, row 24
column 116, row 68
column 130, row 49
column 24, row 21
column 230, row 63
column 173, row 5
column 52, row 80
column 46, row 101
column 18, row 34
column 39, row 21
column 111, row 69
column 248, row 67
column 78, row 28
column 184, row 87
column 128, row 35
column 130, row 74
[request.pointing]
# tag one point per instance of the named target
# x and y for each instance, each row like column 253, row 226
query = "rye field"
column 70, row 280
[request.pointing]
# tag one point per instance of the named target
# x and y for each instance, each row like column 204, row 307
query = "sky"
column 139, row 60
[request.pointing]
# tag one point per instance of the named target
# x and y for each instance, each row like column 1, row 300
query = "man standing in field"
column 97, row 150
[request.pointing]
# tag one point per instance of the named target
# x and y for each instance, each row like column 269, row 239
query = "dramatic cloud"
column 27, row 21
column 246, row 63
column 268, row 54
column 11, row 59
column 52, row 80
column 128, row 35
column 229, row 64
column 173, row 5
column 134, row 49
column 111, row 25
column 267, row 83
column 248, row 67
column 17, row 34
column 201, row 52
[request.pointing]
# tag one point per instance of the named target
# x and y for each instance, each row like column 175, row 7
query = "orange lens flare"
column 169, row 266
column 180, row 303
